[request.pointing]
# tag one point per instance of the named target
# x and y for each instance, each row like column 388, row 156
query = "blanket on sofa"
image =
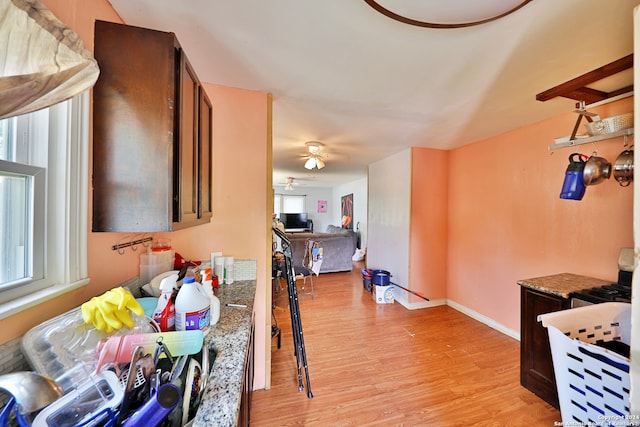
column 338, row 246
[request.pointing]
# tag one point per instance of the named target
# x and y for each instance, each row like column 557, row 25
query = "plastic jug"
column 214, row 301
column 193, row 307
column 573, row 186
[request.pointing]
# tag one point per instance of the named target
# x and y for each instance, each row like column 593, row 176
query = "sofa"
column 338, row 246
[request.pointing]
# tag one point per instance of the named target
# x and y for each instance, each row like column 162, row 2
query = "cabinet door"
column 186, row 197
column 152, row 123
column 205, row 143
column 133, row 128
column 536, row 365
column 244, row 416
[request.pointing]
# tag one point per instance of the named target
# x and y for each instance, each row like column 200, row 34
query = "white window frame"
column 34, row 223
column 284, row 203
column 66, row 213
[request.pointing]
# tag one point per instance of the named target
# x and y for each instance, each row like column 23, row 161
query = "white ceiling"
column 368, row 86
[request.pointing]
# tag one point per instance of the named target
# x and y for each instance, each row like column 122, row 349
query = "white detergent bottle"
column 214, row 301
column 193, row 307
column 165, row 312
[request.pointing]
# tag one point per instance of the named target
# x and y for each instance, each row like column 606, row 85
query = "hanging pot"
column 596, row 170
column 623, row 168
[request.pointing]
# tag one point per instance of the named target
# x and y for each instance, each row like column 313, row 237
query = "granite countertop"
column 229, row 338
column 562, row 285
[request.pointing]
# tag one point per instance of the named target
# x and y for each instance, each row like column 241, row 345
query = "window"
column 43, row 204
column 288, row 204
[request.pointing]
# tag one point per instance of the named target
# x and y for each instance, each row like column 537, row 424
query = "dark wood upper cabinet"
column 152, row 135
column 206, row 172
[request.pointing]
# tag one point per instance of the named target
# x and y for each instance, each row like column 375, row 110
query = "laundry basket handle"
column 604, row 359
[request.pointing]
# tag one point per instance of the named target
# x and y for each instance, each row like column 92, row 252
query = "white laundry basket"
column 592, row 382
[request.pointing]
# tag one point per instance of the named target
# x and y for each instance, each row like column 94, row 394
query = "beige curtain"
column 42, row 62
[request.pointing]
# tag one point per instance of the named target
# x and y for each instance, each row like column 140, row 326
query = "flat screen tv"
column 294, row 220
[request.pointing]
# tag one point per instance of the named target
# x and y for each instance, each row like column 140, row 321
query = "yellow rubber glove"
column 109, row 311
column 128, row 301
column 87, row 309
column 124, row 317
column 111, row 297
column 90, row 314
column 98, row 321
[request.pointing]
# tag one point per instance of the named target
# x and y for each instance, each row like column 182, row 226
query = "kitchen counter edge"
column 220, row 403
column 563, row 284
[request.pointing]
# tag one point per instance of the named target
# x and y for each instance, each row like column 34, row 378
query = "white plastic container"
column 215, row 309
column 218, row 268
column 213, row 300
column 193, row 307
column 592, row 382
column 153, row 263
column 228, row 270
column 214, row 255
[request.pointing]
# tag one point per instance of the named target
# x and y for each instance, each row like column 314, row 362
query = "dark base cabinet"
column 536, row 365
column 247, row 382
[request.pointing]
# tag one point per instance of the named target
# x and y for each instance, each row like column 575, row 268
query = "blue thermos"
column 157, row 408
column 573, row 185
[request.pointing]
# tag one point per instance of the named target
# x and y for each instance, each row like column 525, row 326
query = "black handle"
column 580, row 159
column 604, row 359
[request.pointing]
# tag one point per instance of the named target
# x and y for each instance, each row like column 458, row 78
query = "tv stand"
column 297, row 230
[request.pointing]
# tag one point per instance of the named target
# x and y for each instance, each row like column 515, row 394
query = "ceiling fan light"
column 288, row 187
column 314, row 147
column 319, row 163
column 310, row 163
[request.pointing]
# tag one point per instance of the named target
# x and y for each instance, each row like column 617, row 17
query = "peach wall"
column 428, row 245
column 79, row 15
column 507, row 222
column 242, row 210
column 242, row 181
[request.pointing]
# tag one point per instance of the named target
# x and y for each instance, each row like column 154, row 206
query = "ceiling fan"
column 314, row 156
column 291, row 182
column 289, row 185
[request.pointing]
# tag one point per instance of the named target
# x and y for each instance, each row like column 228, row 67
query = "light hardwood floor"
column 384, row 365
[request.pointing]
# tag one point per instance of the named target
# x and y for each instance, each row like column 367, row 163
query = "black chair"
column 310, row 265
column 299, row 273
column 303, row 273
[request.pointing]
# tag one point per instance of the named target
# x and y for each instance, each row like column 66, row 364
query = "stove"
column 614, row 292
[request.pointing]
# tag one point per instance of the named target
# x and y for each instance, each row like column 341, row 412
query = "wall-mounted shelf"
column 581, row 141
column 578, row 90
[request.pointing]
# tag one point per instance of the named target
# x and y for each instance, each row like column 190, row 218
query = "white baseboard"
column 465, row 310
column 484, row 319
column 421, row 304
